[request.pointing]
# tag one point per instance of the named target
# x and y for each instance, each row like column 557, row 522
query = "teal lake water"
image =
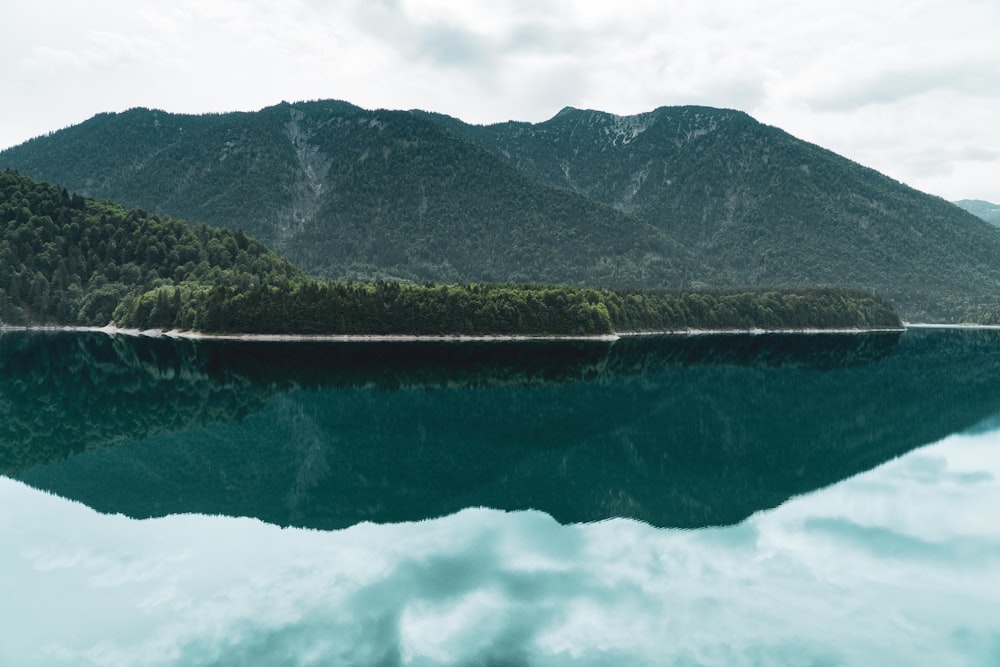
column 763, row 500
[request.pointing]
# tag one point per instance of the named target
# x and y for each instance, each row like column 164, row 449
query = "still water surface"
column 734, row 500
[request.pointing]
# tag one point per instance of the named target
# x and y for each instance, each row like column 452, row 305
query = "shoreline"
column 460, row 338
column 971, row 327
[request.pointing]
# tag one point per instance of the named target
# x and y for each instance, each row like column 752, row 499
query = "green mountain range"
column 988, row 211
column 674, row 197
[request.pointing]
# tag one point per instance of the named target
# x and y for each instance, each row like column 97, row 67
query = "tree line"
column 71, row 260
column 388, row 308
column 67, row 259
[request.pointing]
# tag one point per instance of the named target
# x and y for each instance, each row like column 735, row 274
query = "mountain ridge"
column 673, row 197
column 747, row 197
column 388, row 215
column 985, row 210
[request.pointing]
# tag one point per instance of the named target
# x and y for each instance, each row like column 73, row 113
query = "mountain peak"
column 566, row 111
column 659, row 198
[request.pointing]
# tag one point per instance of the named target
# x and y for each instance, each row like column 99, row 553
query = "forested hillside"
column 67, row 259
column 754, row 201
column 673, row 198
column 349, row 193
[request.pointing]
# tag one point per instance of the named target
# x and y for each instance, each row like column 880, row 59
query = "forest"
column 67, row 259
column 391, row 308
column 71, row 260
column 671, row 198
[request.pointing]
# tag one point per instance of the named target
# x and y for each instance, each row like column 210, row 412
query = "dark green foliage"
column 671, row 198
column 66, row 259
column 380, row 308
column 405, row 198
column 748, row 309
column 761, row 207
column 227, row 170
column 72, row 260
column 386, row 308
column 349, row 193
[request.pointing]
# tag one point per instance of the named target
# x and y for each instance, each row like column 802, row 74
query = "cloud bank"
column 886, row 84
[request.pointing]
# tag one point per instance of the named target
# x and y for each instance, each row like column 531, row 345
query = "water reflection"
column 680, row 432
column 900, row 565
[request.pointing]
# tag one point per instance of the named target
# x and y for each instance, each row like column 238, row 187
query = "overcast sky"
column 909, row 87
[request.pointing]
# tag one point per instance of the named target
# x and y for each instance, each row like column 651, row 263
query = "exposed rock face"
column 314, row 167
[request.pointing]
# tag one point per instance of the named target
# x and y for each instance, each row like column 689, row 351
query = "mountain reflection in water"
column 673, row 431
column 897, row 566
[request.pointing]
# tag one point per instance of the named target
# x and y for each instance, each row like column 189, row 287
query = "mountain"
column 754, row 201
column 677, row 196
column 981, row 209
column 346, row 192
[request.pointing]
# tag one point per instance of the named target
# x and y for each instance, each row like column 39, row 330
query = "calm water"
column 764, row 500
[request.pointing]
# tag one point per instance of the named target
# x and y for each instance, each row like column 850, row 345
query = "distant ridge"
column 758, row 205
column 673, row 197
column 988, row 211
column 350, row 193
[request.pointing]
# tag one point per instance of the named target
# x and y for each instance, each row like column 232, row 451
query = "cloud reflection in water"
column 900, row 565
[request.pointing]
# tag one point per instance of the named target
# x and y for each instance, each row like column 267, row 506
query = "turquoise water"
column 766, row 500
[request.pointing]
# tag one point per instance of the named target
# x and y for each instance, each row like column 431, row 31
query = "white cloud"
column 819, row 72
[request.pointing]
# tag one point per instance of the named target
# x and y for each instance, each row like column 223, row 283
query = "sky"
column 908, row 87
column 897, row 566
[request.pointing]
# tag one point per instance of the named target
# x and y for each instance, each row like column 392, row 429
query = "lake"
column 715, row 500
